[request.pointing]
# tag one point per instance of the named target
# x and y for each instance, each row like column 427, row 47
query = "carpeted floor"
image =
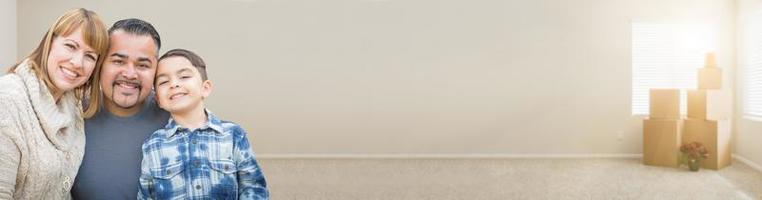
column 337, row 179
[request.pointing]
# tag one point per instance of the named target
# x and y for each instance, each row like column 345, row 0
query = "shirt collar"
column 212, row 122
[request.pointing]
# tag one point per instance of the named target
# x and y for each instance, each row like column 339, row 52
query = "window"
column 752, row 64
column 666, row 56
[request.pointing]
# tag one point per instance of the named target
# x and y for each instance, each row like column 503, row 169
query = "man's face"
column 128, row 71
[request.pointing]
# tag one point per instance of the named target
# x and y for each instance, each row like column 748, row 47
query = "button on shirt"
column 211, row 162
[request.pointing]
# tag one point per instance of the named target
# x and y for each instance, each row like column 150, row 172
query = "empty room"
column 381, row 99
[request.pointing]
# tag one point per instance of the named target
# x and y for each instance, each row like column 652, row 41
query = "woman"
column 41, row 115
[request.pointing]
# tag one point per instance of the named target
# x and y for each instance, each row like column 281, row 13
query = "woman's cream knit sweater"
column 41, row 142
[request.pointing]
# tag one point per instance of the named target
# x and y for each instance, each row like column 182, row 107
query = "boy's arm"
column 251, row 180
column 146, row 180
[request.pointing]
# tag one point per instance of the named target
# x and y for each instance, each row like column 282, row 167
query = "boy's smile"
column 177, row 96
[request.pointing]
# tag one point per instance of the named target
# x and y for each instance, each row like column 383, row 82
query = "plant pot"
column 694, row 164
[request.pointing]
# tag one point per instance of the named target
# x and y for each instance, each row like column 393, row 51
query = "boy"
column 195, row 156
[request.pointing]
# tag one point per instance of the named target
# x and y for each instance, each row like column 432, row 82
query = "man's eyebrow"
column 144, row 59
column 122, row 56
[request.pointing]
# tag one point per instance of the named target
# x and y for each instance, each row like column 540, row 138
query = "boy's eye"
column 162, row 82
column 184, row 77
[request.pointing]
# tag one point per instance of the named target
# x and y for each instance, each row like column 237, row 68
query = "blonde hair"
column 94, row 34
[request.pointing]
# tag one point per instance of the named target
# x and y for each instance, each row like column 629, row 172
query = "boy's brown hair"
column 194, row 59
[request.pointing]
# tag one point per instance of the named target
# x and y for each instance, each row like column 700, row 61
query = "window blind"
column 752, row 63
column 664, row 56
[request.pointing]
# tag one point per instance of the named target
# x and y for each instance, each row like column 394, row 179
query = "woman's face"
column 71, row 61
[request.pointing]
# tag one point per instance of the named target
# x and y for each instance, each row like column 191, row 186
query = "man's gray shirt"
column 111, row 166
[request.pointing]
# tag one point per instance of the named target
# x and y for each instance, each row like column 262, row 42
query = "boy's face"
column 179, row 86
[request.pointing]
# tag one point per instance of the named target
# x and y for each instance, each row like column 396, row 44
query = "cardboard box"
column 709, row 60
column 661, row 141
column 709, row 104
column 664, row 104
column 710, row 78
column 714, row 135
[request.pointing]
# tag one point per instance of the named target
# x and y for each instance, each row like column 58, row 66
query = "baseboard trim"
column 748, row 162
column 445, row 156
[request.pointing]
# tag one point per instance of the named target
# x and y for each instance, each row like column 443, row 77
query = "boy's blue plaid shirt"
column 211, row 162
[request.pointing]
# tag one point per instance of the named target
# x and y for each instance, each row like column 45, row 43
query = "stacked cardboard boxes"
column 708, row 120
column 662, row 130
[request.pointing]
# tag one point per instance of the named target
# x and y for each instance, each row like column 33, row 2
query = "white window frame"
column 666, row 55
column 752, row 67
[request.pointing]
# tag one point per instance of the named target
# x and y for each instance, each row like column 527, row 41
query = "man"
column 111, row 165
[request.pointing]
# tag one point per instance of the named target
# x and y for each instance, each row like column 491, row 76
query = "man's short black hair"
column 137, row 27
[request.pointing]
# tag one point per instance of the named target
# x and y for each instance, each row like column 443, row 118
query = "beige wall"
column 414, row 77
column 8, row 34
column 748, row 131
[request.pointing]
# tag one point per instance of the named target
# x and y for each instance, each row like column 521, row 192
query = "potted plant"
column 692, row 154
